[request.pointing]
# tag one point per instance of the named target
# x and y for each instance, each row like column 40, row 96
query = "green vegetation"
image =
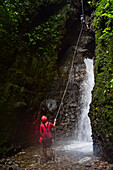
column 101, row 112
column 30, row 36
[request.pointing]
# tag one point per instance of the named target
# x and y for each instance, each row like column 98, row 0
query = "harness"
column 46, row 126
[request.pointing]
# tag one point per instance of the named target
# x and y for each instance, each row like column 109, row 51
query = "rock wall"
column 30, row 37
column 101, row 112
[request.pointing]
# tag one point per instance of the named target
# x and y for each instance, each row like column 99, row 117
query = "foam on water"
column 85, row 147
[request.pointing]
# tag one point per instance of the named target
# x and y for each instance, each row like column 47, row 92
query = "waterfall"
column 83, row 142
column 84, row 127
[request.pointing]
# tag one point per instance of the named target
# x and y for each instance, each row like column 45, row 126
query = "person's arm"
column 52, row 125
column 54, row 122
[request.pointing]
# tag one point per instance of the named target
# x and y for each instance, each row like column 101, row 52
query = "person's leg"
column 45, row 153
column 51, row 152
column 87, row 25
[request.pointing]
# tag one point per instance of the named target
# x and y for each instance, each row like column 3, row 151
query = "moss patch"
column 101, row 112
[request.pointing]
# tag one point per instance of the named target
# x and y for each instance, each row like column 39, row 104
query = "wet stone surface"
column 32, row 158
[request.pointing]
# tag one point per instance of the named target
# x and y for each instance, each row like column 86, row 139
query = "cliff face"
column 101, row 112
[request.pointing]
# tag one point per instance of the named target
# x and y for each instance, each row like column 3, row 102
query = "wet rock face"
column 70, row 110
column 102, row 147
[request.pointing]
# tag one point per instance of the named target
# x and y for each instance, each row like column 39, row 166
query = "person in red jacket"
column 45, row 128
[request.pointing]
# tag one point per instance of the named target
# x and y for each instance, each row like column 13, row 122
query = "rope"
column 82, row 8
column 69, row 72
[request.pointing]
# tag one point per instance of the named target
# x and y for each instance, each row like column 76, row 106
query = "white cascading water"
column 83, row 142
column 84, row 127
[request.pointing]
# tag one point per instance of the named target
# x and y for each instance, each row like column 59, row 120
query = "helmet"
column 43, row 118
column 81, row 15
